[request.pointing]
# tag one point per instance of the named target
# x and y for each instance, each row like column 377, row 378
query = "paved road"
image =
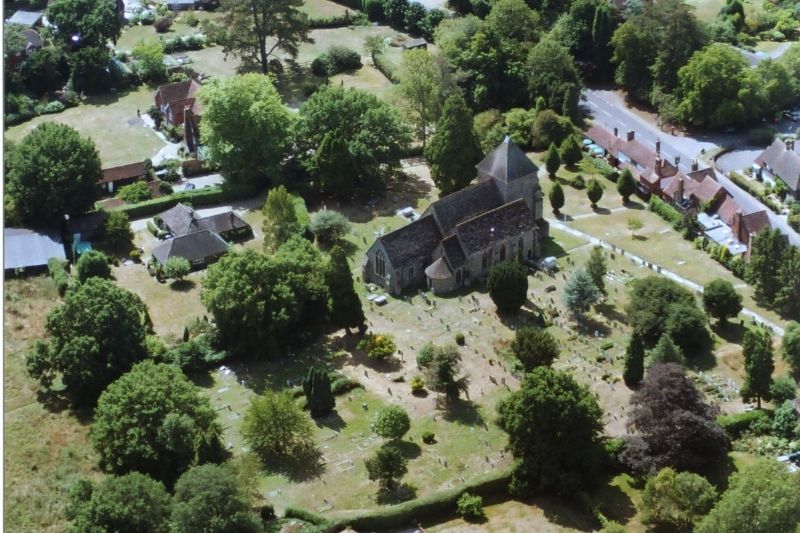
column 664, row 272
column 610, row 111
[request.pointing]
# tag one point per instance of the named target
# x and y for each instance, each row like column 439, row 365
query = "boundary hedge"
column 385, row 67
column 207, row 196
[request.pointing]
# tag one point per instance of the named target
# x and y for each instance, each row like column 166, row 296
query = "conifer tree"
column 556, row 197
column 625, row 185
column 596, row 268
column 454, row 149
column 759, row 365
column 570, row 151
column 335, row 168
column 344, row 305
column 317, row 388
column 552, row 161
column 634, row 361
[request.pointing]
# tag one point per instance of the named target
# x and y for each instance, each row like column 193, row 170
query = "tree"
column 454, row 149
column 256, row 30
column 649, row 298
column 89, row 71
column 373, row 130
column 335, row 168
column 580, row 292
column 721, row 300
column 787, row 300
column 596, row 268
column 783, row 388
column 552, row 161
column 177, row 268
column 133, row 502
column 177, row 429
column 634, row 362
column 317, row 389
column 666, row 351
column 552, row 72
column 554, row 427
column 594, row 191
column 790, row 346
column 116, row 231
column 758, row 364
column 785, row 422
column 534, row 347
column 93, row 264
column 280, row 218
column 387, row 467
column 508, row 286
column 44, row 70
column 767, row 253
column 210, row 498
column 150, row 57
column 686, row 324
column 84, row 22
column 550, row 128
column 53, row 171
column 776, row 507
column 246, row 128
column 634, row 49
column 571, row 153
column 556, row 197
column 673, row 425
column 344, row 305
column 134, row 193
column 275, row 428
column 421, row 87
column 443, row 372
column 635, row 224
column 677, row 500
column 392, row 423
column 626, row 186
column 329, row 226
column 602, row 31
column 96, row 335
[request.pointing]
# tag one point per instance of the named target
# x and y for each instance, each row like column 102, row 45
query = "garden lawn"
column 316, row 9
column 110, row 121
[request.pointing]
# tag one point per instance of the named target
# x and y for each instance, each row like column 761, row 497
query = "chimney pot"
column 658, row 146
column 695, row 165
column 616, row 132
column 677, row 160
column 631, row 135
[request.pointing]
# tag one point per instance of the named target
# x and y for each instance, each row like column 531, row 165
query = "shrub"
column 134, row 193
column 377, row 346
column 428, row 437
column 136, row 255
column 508, row 286
column 341, row 59
column 53, row 107
column 329, row 226
column 177, row 268
column 392, row 423
column 163, row 24
column 93, row 264
column 147, row 18
column 782, row 389
column 165, row 188
column 578, row 182
column 343, row 385
column 386, row 67
column 425, row 355
column 665, row 211
column 374, row 10
column 735, row 425
column 417, row 385
column 57, row 270
column 471, row 508
column 191, row 19
column 460, row 340
column 319, row 67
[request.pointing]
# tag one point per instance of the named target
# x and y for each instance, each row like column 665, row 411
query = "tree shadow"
column 463, row 412
column 610, row 312
column 202, row 379
column 332, row 421
column 720, row 473
column 614, row 503
column 527, row 315
column 601, row 211
column 731, row 332
column 402, row 493
column 304, row 463
column 564, row 513
column 701, row 359
column 589, row 326
column 410, row 450
column 637, row 237
column 182, row 285
column 633, row 204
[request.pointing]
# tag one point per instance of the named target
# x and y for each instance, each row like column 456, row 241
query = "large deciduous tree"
column 790, row 347
column 673, row 425
column 508, row 286
column 554, row 427
column 442, row 369
column 246, row 128
column 344, row 305
column 155, row 421
column 97, row 334
column 84, row 22
column 275, row 427
column 387, row 467
column 552, row 72
column 649, row 299
column 280, row 218
column 92, row 264
column 53, row 172
column 454, row 149
column 335, row 170
column 721, row 300
column 256, row 30
column 758, row 364
column 422, row 86
column 677, row 500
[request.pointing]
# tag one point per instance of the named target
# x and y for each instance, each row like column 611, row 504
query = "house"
column 29, row 249
column 694, row 191
column 29, row 19
column 32, row 43
column 781, row 160
column 200, row 248
column 743, row 226
column 414, row 44
column 183, row 220
column 646, row 164
column 116, row 177
column 173, row 99
column 460, row 236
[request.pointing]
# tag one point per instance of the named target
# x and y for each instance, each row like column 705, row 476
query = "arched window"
column 380, row 264
column 502, row 252
column 485, row 261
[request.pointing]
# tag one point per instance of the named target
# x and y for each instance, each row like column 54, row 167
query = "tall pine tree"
column 767, row 254
column 344, row 305
column 759, row 365
column 552, row 161
column 454, row 149
column 634, row 361
column 602, row 30
column 596, row 268
column 317, row 388
column 336, row 171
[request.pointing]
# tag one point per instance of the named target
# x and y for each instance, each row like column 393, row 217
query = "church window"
column 380, row 264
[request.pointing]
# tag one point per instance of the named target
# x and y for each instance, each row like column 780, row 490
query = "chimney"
column 695, row 165
column 677, row 161
column 631, row 135
column 616, row 132
column 736, row 227
column 658, row 146
column 679, row 191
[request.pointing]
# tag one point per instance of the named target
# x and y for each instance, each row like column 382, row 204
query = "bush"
column 736, row 425
column 163, row 24
column 343, row 385
column 53, row 107
column 761, row 136
column 338, row 59
column 206, row 196
column 57, row 270
column 147, row 18
column 386, row 67
column 329, row 226
column 578, row 182
column 417, row 385
column 392, row 423
column 470, row 508
column 428, row 437
column 136, row 255
column 191, row 20
column 134, row 193
column 165, row 188
column 425, row 355
column 374, row 10
column 460, row 340
column 93, row 264
column 177, row 268
column 377, row 346
column 319, row 67
column 305, row 516
column 508, row 286
column 665, row 211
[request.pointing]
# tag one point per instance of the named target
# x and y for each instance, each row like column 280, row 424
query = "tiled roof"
column 174, row 92
column 417, row 239
column 25, row 248
column 783, row 162
column 506, row 221
column 221, row 222
column 507, row 162
column 703, row 190
column 194, row 247
column 635, row 150
column 466, row 203
column 453, row 251
column 438, row 270
column 123, row 172
column 727, row 209
column 755, row 223
column 178, row 218
column 182, row 220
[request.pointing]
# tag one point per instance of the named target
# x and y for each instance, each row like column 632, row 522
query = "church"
column 460, row 236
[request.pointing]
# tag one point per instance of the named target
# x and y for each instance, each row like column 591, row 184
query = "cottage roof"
column 194, row 247
column 506, row 221
column 507, row 162
column 34, row 39
column 783, row 162
column 26, row 248
column 221, row 222
column 26, row 18
column 728, row 209
column 124, row 172
column 173, row 93
column 87, row 224
column 452, row 250
column 178, row 218
column 415, row 43
column 182, row 220
column 753, row 223
column 466, row 203
column 417, row 239
column 439, row 270
column 636, row 151
column 695, row 185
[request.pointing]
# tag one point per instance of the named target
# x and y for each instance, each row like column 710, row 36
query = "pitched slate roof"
column 178, row 218
column 123, row 172
column 194, row 247
column 26, row 248
column 221, row 222
column 417, row 239
column 783, row 162
column 33, row 38
column 466, row 203
column 453, row 252
column 507, row 162
column 506, row 221
column 182, row 220
column 635, row 150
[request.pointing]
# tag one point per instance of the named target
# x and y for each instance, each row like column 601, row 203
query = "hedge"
column 665, row 211
column 441, row 503
column 57, row 269
column 353, row 4
column 385, row 67
column 338, row 21
column 737, row 424
column 740, row 180
column 207, row 196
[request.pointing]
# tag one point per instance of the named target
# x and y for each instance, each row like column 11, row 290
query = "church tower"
column 515, row 175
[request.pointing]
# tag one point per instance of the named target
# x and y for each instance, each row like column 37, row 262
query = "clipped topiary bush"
column 460, row 340
column 377, row 346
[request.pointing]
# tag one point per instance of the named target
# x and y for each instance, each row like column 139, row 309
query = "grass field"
column 323, row 8
column 111, row 121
